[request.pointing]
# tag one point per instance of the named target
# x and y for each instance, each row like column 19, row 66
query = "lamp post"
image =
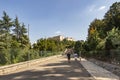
column 28, row 38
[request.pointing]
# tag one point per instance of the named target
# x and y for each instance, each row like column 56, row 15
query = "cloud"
column 58, row 32
column 102, row 8
column 94, row 8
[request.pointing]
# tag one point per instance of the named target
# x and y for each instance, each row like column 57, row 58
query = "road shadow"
column 53, row 71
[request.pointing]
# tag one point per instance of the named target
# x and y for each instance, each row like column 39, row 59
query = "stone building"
column 69, row 38
column 61, row 38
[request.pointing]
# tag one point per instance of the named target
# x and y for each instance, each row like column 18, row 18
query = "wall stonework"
column 23, row 65
column 110, row 67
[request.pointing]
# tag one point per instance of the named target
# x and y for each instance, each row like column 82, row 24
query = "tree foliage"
column 13, row 40
column 52, row 45
column 104, row 35
column 112, row 17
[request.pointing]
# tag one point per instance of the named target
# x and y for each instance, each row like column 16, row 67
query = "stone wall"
column 23, row 65
column 110, row 67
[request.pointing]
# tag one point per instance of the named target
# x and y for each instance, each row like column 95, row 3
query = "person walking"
column 68, row 56
column 75, row 56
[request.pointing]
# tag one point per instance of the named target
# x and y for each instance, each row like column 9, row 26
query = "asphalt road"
column 54, row 69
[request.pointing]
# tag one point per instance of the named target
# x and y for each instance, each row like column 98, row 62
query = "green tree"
column 5, row 37
column 17, row 28
column 112, row 17
column 6, row 24
column 77, row 46
column 95, row 33
column 114, row 38
column 23, row 37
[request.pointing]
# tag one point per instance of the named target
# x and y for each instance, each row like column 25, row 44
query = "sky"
column 47, row 18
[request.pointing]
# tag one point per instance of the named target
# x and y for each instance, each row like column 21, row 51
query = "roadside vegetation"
column 15, row 44
column 103, row 40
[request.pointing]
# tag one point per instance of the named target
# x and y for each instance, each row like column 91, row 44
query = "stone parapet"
column 23, row 65
column 110, row 67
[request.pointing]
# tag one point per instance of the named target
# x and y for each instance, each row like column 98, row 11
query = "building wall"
column 61, row 38
column 69, row 38
column 58, row 38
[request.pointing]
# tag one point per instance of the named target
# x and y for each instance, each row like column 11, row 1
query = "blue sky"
column 47, row 18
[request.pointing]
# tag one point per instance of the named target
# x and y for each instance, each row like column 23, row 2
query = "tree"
column 14, row 45
column 104, row 34
column 6, row 22
column 97, row 28
column 23, row 37
column 5, row 38
column 77, row 46
column 17, row 28
column 114, row 37
column 95, row 33
column 112, row 17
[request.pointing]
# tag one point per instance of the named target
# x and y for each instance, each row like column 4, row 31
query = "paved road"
column 54, row 69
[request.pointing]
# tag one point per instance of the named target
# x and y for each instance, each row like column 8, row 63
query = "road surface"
column 54, row 69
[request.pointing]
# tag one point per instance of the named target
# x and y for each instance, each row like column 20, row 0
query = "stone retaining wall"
column 110, row 67
column 22, row 65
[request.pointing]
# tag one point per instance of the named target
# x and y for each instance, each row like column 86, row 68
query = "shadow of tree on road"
column 53, row 71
